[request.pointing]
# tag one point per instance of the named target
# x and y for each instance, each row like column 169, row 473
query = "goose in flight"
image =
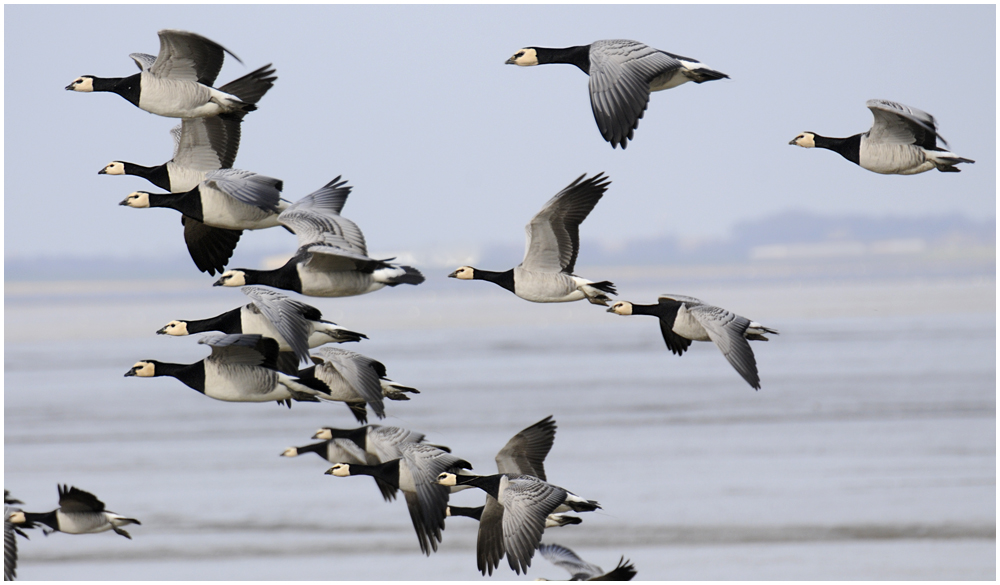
column 350, row 377
column 686, row 319
column 622, row 75
column 901, row 141
column 332, row 259
column 177, row 82
column 515, row 526
column 79, row 512
column 581, row 570
column 242, row 368
column 553, row 242
column 414, row 474
column 296, row 326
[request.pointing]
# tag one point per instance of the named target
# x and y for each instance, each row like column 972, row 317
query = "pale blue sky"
column 448, row 147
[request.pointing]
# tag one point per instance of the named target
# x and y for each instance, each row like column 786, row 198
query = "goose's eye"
column 519, row 55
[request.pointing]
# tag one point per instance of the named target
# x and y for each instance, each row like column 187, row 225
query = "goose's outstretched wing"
column 525, row 452
column 247, row 187
column 287, row 315
column 553, row 235
column 568, row 560
column 728, row 331
column 188, row 56
column 899, row 124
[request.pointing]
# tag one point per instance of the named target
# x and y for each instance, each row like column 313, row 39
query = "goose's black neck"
column 488, row 483
column 476, row 513
column 579, row 56
column 47, row 518
column 655, row 310
column 358, row 436
column 191, row 374
column 228, row 322
column 188, row 203
column 387, row 472
column 504, row 279
column 157, row 175
column 317, row 448
column 286, row 277
column 127, row 87
column 849, row 148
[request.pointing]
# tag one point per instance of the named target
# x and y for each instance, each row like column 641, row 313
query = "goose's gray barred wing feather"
column 426, row 463
column 386, row 441
column 620, row 73
column 287, row 316
column 727, row 330
column 346, row 451
column 188, row 56
column 527, row 502
column 206, row 144
column 9, row 545
column 143, row 60
column 525, row 452
column 899, row 124
column 317, row 215
column 553, row 234
column 568, row 560
column 489, row 542
column 240, row 349
column 247, row 187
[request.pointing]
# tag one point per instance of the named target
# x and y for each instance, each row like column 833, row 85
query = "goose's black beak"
column 124, row 202
column 162, row 330
column 103, row 171
column 217, row 282
column 131, row 372
column 792, row 141
column 328, row 471
column 453, row 274
column 70, row 86
column 507, row 62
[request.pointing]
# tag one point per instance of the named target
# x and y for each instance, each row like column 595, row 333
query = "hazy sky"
column 448, row 147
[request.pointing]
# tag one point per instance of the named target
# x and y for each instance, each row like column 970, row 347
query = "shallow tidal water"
column 869, row 452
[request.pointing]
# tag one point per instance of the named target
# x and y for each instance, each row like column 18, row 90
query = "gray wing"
column 247, row 187
column 345, row 451
column 899, row 124
column 727, row 330
column 620, row 72
column 72, row 499
column 426, row 463
column 489, row 541
column 689, row 301
column 207, row 144
column 564, row 558
column 286, row 314
column 9, row 545
column 419, row 525
column 316, row 217
column 553, row 235
column 385, row 441
column 358, row 371
column 525, row 452
column 336, row 255
column 187, row 56
column 238, row 348
column 143, row 60
column 527, row 502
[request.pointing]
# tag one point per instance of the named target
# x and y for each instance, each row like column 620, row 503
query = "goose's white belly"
column 83, row 522
column 546, row 287
column 668, row 80
column 893, row 159
column 242, row 383
column 336, row 284
column 175, row 98
column 183, row 179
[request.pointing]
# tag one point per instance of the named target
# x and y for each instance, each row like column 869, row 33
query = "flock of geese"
column 261, row 351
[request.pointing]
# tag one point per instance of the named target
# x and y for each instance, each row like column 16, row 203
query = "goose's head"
column 145, row 369
column 84, row 83
column 464, row 273
column 524, row 57
column 231, row 278
column 621, row 308
column 290, row 452
column 137, row 199
column 177, row 328
column 114, row 167
column 805, row 140
column 448, row 479
column 340, row 470
column 324, row 434
column 17, row 517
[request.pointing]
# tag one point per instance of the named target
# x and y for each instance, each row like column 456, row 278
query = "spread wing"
column 568, row 560
column 242, row 349
column 207, row 144
column 187, row 56
column 345, row 451
column 358, row 372
column 553, row 235
column 73, row 499
column 316, row 218
column 527, row 502
column 899, row 124
column 525, row 452
column 620, row 72
column 425, row 464
column 727, row 330
column 385, row 441
column 210, row 247
column 9, row 545
column 489, row 542
column 250, row 188
column 143, row 60
column 286, row 314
